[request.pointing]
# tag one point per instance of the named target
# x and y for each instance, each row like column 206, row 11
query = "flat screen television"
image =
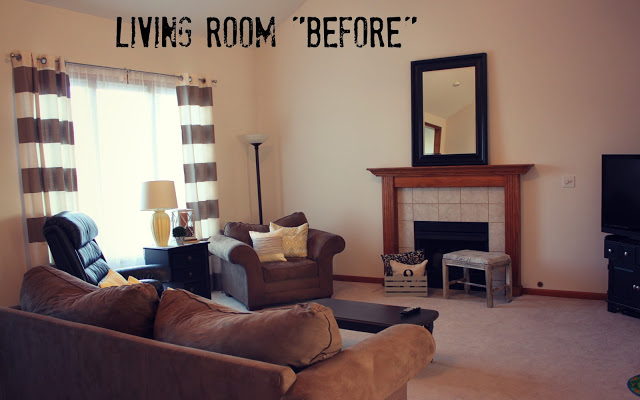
column 621, row 194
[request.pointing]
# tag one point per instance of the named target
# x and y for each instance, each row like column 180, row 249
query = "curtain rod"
column 44, row 61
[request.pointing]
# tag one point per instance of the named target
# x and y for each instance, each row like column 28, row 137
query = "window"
column 127, row 131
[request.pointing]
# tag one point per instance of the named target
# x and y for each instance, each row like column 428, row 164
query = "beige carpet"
column 532, row 348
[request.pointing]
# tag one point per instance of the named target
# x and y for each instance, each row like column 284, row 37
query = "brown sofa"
column 81, row 342
column 257, row 284
column 46, row 357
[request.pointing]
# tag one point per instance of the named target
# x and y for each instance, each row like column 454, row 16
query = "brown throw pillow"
column 295, row 336
column 129, row 309
column 240, row 231
column 292, row 220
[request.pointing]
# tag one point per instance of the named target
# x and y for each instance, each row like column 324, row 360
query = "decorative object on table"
column 159, row 196
column 179, row 233
column 256, row 141
column 184, row 218
column 634, row 385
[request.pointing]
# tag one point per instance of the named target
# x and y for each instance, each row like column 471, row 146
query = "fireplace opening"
column 438, row 238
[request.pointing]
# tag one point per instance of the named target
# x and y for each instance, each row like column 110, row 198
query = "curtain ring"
column 190, row 79
column 43, row 60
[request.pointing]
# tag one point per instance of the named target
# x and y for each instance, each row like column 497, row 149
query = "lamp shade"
column 158, row 195
column 256, row 139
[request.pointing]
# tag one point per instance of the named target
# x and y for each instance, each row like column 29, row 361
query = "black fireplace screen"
column 438, row 238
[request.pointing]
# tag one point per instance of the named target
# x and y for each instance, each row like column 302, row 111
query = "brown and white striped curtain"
column 45, row 136
column 195, row 100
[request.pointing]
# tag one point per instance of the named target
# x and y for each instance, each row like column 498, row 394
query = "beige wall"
column 461, row 128
column 563, row 89
column 87, row 39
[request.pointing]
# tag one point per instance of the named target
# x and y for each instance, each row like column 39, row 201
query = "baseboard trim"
column 565, row 293
column 531, row 291
column 364, row 279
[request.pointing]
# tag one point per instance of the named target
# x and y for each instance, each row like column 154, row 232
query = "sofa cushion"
column 294, row 240
column 240, row 231
column 294, row 268
column 129, row 309
column 295, row 336
column 292, row 220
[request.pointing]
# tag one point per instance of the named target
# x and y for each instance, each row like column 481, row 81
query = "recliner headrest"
column 79, row 227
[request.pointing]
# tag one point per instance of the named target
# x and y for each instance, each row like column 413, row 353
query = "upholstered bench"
column 486, row 261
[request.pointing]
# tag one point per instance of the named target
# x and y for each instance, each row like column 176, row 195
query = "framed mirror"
column 449, row 111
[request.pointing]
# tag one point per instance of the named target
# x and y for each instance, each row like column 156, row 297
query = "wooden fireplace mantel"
column 507, row 176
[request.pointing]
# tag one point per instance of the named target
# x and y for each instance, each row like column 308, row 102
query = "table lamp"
column 159, row 196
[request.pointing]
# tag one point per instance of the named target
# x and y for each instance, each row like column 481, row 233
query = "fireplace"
column 492, row 176
column 437, row 238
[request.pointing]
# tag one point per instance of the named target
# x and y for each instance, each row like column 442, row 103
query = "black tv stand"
column 623, row 293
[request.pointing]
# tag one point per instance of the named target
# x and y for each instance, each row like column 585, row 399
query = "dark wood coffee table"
column 370, row 317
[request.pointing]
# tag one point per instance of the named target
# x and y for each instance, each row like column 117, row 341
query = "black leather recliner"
column 71, row 238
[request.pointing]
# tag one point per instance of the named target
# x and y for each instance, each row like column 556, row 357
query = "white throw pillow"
column 268, row 245
column 408, row 270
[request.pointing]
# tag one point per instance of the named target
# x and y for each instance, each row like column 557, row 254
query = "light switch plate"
column 568, row 181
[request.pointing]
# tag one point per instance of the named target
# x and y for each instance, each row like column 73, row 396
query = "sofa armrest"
column 232, row 250
column 377, row 367
column 321, row 243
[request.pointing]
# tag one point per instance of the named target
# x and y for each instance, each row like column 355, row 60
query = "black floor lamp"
column 256, row 141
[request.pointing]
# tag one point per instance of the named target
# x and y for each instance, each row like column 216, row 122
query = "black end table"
column 370, row 317
column 189, row 266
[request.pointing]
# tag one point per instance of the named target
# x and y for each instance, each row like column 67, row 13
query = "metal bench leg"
column 467, row 279
column 489, row 284
column 445, row 279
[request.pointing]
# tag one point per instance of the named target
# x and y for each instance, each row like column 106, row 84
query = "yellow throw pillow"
column 408, row 270
column 294, row 240
column 132, row 281
column 268, row 245
column 112, row 279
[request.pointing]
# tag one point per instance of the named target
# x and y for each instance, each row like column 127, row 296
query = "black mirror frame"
column 479, row 61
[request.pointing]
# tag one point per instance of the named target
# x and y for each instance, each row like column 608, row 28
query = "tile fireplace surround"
column 475, row 193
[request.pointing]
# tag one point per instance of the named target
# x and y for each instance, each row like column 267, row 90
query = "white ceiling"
column 197, row 10
column 441, row 97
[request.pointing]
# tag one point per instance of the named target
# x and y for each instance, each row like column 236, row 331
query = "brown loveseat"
column 47, row 357
column 257, row 284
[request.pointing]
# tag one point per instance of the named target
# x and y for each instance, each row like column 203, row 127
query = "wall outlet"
column 568, row 181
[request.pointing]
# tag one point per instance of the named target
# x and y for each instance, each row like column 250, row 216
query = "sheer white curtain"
column 127, row 131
